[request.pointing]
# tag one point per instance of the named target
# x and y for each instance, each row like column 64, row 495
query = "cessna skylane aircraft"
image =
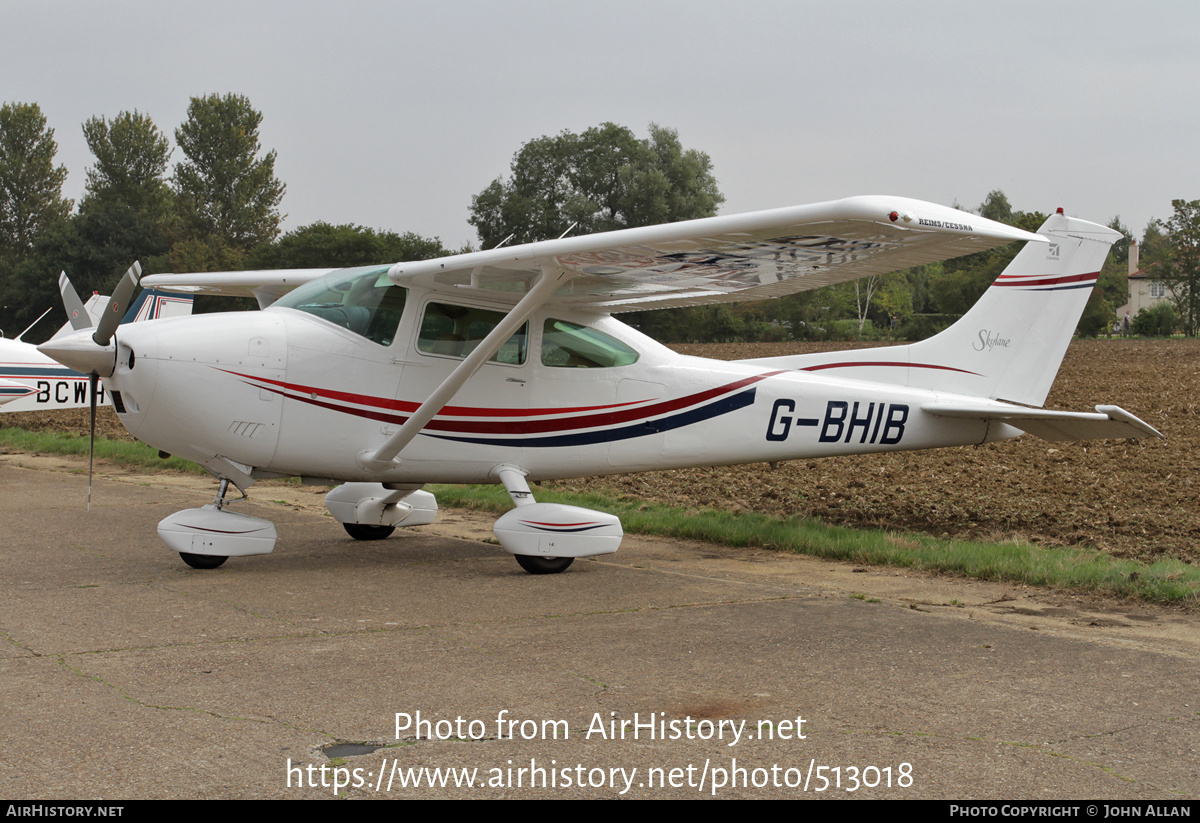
column 507, row 366
column 31, row 381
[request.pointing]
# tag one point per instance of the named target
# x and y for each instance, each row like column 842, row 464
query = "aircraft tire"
column 364, row 531
column 543, row 565
column 202, row 561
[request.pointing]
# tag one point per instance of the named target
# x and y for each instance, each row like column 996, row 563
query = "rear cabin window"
column 455, row 331
column 362, row 300
column 568, row 345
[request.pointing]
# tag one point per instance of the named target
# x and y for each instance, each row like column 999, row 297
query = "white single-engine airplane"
column 507, row 366
column 31, row 381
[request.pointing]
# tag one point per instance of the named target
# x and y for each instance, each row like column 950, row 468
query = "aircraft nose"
column 80, row 352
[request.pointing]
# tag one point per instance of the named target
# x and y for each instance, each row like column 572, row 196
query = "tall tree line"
column 219, row 202
column 218, row 208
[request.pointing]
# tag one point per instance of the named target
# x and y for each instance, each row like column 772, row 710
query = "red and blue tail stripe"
column 1037, row 282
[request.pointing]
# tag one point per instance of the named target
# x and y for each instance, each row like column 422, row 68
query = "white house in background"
column 1144, row 290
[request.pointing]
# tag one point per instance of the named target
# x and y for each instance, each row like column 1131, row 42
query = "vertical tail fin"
column 152, row 304
column 1009, row 345
column 149, row 305
column 1012, row 341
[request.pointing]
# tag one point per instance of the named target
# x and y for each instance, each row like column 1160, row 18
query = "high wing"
column 724, row 259
column 713, row 260
column 266, row 286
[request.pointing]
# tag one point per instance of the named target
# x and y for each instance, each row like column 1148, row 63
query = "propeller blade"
column 117, row 305
column 93, row 385
column 75, row 311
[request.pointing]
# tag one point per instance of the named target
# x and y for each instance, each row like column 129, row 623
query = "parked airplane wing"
column 724, row 259
column 266, row 286
column 717, row 259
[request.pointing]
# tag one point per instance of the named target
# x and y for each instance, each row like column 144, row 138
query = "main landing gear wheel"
column 543, row 565
column 363, row 531
column 202, row 561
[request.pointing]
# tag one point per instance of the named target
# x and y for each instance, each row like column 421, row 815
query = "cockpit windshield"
column 362, row 300
column 572, row 346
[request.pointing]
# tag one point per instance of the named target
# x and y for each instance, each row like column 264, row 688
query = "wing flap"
column 1107, row 422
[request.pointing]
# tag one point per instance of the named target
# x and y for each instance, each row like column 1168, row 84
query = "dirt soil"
column 1130, row 498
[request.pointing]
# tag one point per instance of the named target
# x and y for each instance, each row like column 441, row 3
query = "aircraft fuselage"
column 47, row 383
column 284, row 392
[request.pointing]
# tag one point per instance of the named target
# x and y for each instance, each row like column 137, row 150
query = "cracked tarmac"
column 125, row 674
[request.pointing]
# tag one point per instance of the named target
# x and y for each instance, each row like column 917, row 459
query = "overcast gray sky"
column 393, row 114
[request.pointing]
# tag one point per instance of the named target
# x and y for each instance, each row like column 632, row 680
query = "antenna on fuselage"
column 568, row 231
column 505, row 240
column 31, row 325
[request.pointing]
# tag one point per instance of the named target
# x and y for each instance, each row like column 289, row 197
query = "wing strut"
column 543, row 288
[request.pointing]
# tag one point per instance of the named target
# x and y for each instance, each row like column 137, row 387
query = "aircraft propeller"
column 117, row 304
column 94, row 354
column 76, row 313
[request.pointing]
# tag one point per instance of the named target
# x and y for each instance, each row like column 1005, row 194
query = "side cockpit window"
column 571, row 346
column 363, row 300
column 455, row 331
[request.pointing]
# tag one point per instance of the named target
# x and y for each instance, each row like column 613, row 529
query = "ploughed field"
column 1133, row 498
column 1130, row 498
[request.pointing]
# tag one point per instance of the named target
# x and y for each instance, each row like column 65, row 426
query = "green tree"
column 1159, row 320
column 1112, row 287
column 1155, row 243
column 996, row 207
column 1120, row 249
column 1097, row 317
column 806, row 314
column 321, row 244
column 894, row 298
column 131, row 164
column 30, row 184
column 125, row 213
column 1180, row 270
column 602, row 179
column 225, row 189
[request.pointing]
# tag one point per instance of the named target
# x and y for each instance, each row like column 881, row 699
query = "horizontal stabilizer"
column 1107, row 422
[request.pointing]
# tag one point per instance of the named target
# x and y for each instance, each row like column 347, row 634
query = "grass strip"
column 125, row 452
column 1166, row 581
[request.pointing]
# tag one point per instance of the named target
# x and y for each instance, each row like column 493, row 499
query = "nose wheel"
column 363, row 531
column 202, row 561
column 543, row 565
column 208, row 536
